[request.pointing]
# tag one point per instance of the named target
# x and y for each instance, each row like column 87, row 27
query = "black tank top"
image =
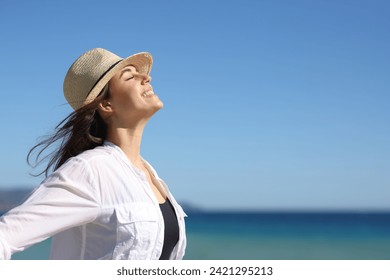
column 171, row 233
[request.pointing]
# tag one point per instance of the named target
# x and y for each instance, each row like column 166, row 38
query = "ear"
column 105, row 108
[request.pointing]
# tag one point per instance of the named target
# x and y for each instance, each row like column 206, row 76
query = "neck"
column 129, row 140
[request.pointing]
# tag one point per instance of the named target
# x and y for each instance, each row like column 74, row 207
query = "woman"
column 103, row 200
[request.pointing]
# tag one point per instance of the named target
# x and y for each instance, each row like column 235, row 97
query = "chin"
column 159, row 105
column 156, row 108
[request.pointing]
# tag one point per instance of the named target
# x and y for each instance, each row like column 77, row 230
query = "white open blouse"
column 96, row 206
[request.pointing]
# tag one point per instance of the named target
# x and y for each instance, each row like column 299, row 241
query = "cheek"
column 123, row 95
column 129, row 101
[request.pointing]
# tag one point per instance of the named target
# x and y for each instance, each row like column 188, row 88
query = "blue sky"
column 268, row 104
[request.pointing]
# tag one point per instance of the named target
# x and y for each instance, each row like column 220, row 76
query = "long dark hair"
column 82, row 130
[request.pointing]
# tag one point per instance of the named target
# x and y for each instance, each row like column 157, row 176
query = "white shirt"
column 96, row 206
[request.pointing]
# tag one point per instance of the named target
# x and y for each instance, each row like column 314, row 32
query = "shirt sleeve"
column 66, row 199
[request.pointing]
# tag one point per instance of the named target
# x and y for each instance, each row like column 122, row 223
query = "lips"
column 148, row 92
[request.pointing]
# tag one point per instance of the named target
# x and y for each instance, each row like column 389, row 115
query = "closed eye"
column 127, row 73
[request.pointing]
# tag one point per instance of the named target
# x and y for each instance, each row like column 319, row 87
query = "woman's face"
column 131, row 97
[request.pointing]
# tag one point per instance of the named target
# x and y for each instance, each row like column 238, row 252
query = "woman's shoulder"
column 94, row 157
column 97, row 153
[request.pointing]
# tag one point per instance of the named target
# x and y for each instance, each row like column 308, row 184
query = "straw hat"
column 90, row 73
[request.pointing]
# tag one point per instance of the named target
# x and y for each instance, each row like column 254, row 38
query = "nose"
column 145, row 78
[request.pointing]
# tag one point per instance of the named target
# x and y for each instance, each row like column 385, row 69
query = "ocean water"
column 289, row 236
column 274, row 236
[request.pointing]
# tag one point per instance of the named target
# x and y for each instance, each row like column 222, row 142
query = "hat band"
column 101, row 77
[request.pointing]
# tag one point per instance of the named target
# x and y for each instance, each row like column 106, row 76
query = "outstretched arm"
column 66, row 199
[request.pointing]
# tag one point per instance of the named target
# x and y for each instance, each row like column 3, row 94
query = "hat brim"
column 142, row 61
